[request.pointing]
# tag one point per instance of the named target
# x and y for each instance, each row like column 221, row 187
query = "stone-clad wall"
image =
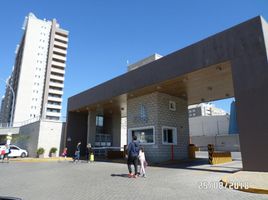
column 157, row 114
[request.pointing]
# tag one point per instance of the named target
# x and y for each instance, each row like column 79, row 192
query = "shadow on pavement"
column 200, row 164
column 120, row 175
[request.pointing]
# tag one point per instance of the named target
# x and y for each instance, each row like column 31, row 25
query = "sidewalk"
column 255, row 182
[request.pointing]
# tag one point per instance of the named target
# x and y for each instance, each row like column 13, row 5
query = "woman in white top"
column 142, row 161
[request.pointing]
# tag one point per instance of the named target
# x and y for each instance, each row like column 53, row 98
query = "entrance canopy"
column 230, row 63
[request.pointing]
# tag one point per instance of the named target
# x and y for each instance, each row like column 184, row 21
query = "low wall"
column 221, row 142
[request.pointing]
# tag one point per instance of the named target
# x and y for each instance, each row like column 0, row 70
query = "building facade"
column 205, row 109
column 38, row 73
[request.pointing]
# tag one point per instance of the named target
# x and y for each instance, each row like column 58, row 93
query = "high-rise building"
column 204, row 109
column 38, row 73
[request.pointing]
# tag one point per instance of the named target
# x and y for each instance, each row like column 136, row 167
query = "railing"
column 103, row 151
column 23, row 123
column 19, row 124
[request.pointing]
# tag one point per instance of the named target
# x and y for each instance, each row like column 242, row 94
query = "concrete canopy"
column 230, row 63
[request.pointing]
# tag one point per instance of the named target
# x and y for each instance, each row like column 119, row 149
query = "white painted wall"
column 50, row 136
column 209, row 125
column 45, row 134
column 221, row 142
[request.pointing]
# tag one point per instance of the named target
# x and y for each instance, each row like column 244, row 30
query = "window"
column 172, row 105
column 13, row 148
column 144, row 135
column 99, row 121
column 169, row 135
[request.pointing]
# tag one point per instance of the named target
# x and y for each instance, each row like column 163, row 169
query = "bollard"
column 91, row 158
column 210, row 153
column 191, row 151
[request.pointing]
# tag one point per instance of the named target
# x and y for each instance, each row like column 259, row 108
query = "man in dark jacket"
column 133, row 152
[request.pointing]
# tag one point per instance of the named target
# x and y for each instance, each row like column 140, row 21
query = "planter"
column 41, row 155
column 53, row 155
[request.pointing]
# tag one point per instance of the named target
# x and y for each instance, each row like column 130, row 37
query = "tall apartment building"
column 204, row 109
column 38, row 73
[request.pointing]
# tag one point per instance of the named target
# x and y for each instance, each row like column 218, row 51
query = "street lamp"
column 13, row 102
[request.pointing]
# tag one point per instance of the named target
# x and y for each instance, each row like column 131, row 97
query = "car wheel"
column 23, row 155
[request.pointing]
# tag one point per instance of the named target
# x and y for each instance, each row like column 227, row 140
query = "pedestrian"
column 88, row 152
column 77, row 152
column 6, row 153
column 142, row 162
column 133, row 152
column 2, row 153
column 64, row 153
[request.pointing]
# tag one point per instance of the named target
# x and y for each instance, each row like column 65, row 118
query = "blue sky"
column 105, row 34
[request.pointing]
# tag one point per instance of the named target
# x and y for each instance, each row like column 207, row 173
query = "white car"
column 15, row 151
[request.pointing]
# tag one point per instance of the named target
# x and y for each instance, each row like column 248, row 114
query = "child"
column 64, row 153
column 142, row 161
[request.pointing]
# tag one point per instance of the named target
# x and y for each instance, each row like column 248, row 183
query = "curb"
column 41, row 160
column 229, row 185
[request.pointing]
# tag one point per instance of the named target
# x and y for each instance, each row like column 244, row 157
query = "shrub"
column 40, row 151
column 53, row 150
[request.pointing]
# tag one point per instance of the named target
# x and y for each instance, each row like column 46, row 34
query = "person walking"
column 142, row 162
column 7, row 151
column 64, row 153
column 77, row 152
column 133, row 152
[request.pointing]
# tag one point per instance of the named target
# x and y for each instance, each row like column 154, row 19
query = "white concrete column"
column 123, row 131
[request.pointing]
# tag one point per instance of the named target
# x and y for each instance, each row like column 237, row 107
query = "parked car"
column 15, row 151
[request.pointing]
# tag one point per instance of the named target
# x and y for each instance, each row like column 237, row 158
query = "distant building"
column 38, row 73
column 205, row 109
column 144, row 61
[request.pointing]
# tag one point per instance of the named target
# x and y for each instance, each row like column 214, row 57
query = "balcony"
column 60, row 71
column 52, row 106
column 55, row 91
column 65, row 39
column 60, row 44
column 60, row 50
column 55, row 84
column 58, row 63
column 57, row 99
column 53, row 114
column 60, row 78
column 59, row 57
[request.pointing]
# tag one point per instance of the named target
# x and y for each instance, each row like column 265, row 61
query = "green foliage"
column 40, row 151
column 53, row 150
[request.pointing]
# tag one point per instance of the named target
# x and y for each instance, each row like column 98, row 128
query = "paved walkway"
column 103, row 180
column 256, row 182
